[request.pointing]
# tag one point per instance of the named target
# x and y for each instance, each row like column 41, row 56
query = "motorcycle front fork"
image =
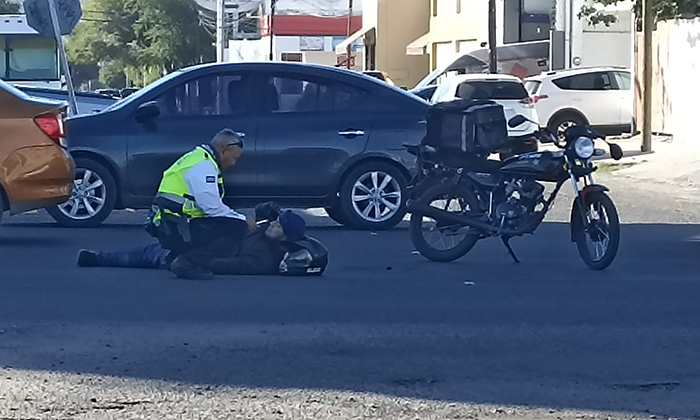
column 587, row 180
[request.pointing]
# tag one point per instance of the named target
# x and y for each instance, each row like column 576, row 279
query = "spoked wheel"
column 372, row 197
column 93, row 198
column 442, row 241
column 599, row 237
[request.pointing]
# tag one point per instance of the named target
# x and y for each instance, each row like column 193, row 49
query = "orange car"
column 35, row 168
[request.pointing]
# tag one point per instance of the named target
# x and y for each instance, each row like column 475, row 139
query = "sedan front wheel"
column 373, row 196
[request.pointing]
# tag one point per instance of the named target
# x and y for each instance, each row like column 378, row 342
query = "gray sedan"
column 315, row 136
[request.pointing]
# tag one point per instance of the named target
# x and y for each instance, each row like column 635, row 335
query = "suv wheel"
column 373, row 196
column 561, row 122
column 93, row 198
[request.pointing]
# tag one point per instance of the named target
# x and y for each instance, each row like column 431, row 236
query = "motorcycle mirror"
column 516, row 121
column 616, row 151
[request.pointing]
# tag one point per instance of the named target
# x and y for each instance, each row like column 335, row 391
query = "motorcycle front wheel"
column 442, row 241
column 598, row 240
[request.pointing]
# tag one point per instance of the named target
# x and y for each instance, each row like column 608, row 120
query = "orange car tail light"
column 52, row 126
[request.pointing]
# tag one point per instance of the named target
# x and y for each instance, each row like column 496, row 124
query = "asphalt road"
column 384, row 334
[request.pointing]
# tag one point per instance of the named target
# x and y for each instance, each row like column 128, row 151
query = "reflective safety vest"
column 173, row 189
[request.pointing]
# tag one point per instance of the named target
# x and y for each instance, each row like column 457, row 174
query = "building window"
column 443, row 52
column 466, row 45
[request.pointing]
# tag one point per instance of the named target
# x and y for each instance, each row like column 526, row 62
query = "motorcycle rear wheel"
column 598, row 244
column 453, row 242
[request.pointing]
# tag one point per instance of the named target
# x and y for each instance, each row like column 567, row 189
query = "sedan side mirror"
column 148, row 111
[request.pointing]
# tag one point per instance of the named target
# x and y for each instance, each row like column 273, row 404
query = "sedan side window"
column 218, row 94
column 295, row 93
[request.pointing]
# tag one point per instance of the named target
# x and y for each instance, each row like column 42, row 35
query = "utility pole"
column 72, row 102
column 493, row 53
column 220, row 31
column 648, row 73
column 348, row 50
column 273, row 8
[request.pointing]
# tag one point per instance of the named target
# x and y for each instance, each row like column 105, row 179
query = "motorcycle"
column 455, row 204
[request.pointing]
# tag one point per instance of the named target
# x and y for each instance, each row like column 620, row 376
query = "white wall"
column 259, row 50
column 248, row 50
column 676, row 84
column 598, row 45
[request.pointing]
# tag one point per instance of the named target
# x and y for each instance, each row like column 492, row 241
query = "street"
column 384, row 334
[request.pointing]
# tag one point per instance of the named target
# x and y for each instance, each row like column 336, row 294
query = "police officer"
column 192, row 219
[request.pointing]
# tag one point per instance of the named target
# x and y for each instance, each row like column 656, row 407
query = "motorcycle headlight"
column 584, row 147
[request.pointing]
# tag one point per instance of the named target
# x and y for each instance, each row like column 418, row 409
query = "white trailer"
column 577, row 43
column 26, row 57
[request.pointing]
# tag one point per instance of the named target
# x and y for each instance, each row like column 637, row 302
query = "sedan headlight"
column 584, row 147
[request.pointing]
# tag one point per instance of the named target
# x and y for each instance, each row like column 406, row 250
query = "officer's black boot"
column 87, row 258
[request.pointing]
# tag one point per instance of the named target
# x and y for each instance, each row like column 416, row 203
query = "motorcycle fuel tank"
column 537, row 164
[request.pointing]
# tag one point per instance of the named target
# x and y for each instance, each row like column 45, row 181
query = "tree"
column 139, row 39
column 9, row 7
column 663, row 10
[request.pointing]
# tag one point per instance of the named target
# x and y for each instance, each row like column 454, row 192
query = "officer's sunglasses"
column 239, row 140
column 238, row 143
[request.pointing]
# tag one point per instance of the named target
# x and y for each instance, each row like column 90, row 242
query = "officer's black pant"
column 212, row 237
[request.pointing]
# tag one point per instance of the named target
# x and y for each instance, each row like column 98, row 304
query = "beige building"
column 456, row 26
column 388, row 26
column 459, row 27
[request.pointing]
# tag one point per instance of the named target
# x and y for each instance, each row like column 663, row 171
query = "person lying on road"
column 260, row 253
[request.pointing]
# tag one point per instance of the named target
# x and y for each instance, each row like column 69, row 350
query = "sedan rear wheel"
column 373, row 196
column 93, row 198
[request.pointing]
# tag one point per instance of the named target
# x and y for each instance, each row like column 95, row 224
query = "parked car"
column 505, row 90
column 598, row 96
column 37, row 170
column 114, row 93
column 88, row 102
column 424, row 92
column 316, row 136
column 127, row 91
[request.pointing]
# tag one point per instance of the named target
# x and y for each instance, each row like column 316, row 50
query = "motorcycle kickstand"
column 506, row 243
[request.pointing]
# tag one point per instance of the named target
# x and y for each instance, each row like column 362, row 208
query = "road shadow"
column 545, row 333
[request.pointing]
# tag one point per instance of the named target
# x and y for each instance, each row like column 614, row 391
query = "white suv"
column 601, row 97
column 507, row 91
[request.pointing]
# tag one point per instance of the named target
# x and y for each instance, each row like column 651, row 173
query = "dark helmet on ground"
column 306, row 257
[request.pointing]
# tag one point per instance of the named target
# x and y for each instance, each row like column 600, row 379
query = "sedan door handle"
column 351, row 133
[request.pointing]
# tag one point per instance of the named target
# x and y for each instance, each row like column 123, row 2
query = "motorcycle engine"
column 521, row 197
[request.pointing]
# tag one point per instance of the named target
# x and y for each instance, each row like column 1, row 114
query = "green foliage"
column 137, row 41
column 8, row 7
column 663, row 10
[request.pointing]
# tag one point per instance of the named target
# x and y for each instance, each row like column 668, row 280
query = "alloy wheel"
column 88, row 197
column 376, row 196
